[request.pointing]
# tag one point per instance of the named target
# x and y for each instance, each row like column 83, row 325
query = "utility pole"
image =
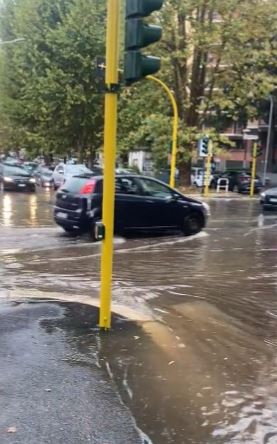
column 208, row 164
column 110, row 139
column 253, row 171
column 268, row 137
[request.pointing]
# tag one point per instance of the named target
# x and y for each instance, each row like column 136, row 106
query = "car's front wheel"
column 213, row 185
column 193, row 224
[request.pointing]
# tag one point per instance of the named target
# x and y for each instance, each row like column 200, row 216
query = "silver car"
column 64, row 171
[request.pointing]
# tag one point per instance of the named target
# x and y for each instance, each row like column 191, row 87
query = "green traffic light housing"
column 203, row 146
column 138, row 35
column 138, row 66
column 142, row 8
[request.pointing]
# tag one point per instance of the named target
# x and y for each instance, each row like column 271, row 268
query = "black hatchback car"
column 141, row 204
column 16, row 178
column 240, row 181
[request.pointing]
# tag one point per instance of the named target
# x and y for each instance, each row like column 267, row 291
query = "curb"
column 224, row 196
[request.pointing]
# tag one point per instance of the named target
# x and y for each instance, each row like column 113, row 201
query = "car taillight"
column 244, row 179
column 88, row 188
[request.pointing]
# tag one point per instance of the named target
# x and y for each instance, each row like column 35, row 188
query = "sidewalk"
column 222, row 195
column 214, row 195
column 51, row 392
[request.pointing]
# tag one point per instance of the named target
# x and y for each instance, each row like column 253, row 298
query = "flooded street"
column 199, row 365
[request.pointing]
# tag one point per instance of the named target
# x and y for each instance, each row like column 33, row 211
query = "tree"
column 49, row 83
column 219, row 58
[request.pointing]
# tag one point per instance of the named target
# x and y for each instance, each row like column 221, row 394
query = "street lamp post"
column 174, row 128
column 268, row 137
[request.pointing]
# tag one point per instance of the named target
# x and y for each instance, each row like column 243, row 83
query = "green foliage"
column 219, row 58
column 50, row 99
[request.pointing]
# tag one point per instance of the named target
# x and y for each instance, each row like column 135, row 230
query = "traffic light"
column 203, row 146
column 259, row 150
column 138, row 35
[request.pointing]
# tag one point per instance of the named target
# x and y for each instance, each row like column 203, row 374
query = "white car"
column 63, row 171
column 197, row 177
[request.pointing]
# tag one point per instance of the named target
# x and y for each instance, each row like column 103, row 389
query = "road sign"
column 250, row 137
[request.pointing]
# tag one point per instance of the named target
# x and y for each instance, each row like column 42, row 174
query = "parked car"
column 64, row 171
column 269, row 199
column 11, row 161
column 120, row 170
column 16, row 178
column 198, row 179
column 240, row 181
column 141, row 204
column 31, row 167
column 44, row 176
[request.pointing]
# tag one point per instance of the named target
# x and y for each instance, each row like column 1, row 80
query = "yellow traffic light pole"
column 253, row 171
column 174, row 128
column 110, row 136
column 207, row 176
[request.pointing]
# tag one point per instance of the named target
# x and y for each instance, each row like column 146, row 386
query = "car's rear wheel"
column 92, row 233
column 193, row 224
column 70, row 230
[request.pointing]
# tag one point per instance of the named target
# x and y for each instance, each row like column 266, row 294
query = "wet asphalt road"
column 199, row 365
column 52, row 391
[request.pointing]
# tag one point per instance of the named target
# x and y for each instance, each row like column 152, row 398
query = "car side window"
column 127, row 185
column 155, row 189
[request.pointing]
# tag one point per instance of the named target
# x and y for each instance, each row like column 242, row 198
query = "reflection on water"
column 22, row 209
column 33, row 205
column 198, row 377
column 7, row 210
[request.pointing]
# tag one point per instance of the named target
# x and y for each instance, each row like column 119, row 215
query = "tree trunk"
column 81, row 154
column 91, row 158
column 185, row 172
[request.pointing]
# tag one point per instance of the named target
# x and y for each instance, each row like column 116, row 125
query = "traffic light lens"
column 137, row 66
column 138, row 34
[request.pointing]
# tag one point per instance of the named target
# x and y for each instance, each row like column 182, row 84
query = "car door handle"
column 149, row 200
